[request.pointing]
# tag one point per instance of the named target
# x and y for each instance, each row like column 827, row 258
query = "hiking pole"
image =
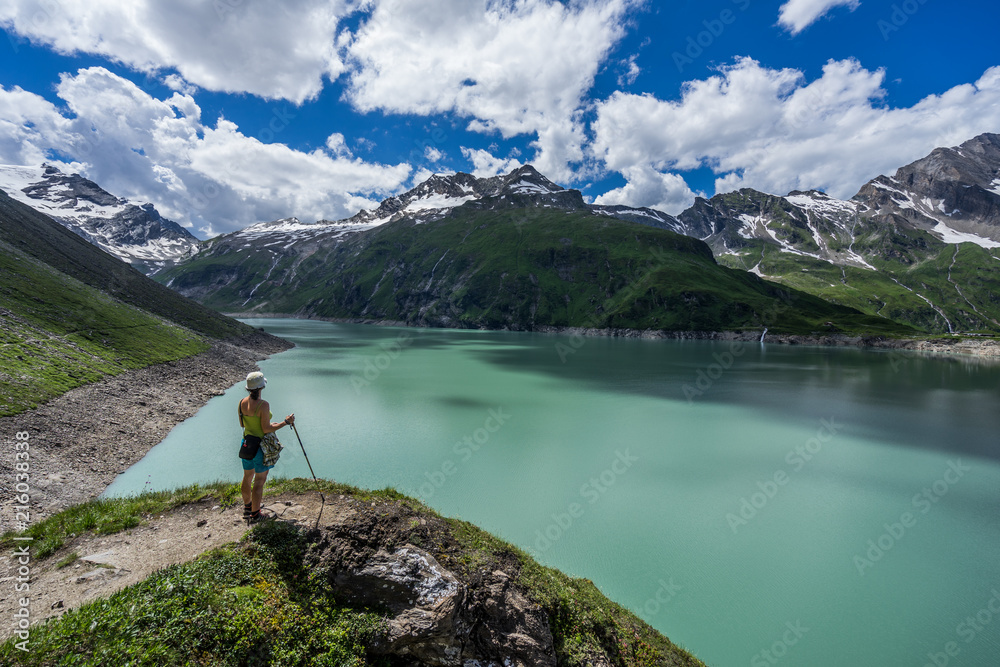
column 308, row 464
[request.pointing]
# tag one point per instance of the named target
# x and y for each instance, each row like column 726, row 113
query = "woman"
column 252, row 410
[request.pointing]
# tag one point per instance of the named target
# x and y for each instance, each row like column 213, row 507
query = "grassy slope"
column 521, row 269
column 72, row 314
column 962, row 280
column 58, row 333
column 976, row 273
column 40, row 237
column 255, row 600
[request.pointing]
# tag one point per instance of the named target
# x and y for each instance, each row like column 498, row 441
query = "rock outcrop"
column 435, row 616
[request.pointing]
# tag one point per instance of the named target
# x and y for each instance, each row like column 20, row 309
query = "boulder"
column 434, row 618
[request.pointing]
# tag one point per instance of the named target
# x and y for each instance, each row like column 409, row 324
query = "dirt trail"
column 108, row 563
column 80, row 441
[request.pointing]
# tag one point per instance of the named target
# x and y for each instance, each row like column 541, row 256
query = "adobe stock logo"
column 697, row 43
column 593, row 490
column 894, row 532
column 768, row 489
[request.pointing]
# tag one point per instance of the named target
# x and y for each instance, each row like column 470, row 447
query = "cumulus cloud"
column 631, row 71
column 772, row 130
column 273, row 50
column 485, row 164
column 648, row 187
column 214, row 178
column 796, row 15
column 337, row 145
column 511, row 67
column 432, row 154
column 177, row 83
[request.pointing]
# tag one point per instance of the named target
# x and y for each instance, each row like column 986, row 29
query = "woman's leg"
column 245, row 486
column 258, row 489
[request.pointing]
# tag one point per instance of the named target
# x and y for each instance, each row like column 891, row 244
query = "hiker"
column 255, row 427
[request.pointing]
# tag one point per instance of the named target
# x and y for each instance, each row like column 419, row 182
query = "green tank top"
column 251, row 423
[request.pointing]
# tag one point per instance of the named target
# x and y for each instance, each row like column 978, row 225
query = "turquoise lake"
column 758, row 504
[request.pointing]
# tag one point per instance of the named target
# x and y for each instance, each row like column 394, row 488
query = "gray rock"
column 102, row 558
column 436, row 619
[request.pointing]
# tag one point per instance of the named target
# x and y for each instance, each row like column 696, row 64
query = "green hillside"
column 914, row 271
column 59, row 333
column 273, row 598
column 517, row 269
column 71, row 314
column 38, row 236
column 916, row 278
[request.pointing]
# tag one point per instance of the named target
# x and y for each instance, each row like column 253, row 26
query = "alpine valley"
column 511, row 252
column 909, row 253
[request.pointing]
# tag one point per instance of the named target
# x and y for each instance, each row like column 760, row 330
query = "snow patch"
column 524, row 186
column 949, row 235
column 822, row 204
column 750, row 223
column 437, row 201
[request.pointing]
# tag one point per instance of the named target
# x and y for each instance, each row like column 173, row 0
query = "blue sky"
column 229, row 112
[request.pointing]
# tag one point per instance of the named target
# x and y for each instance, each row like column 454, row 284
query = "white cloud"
column 648, row 187
column 514, row 68
column 273, row 50
column 631, row 72
column 177, row 83
column 208, row 177
column 29, row 124
column 796, row 15
column 432, row 154
column 338, row 145
column 485, row 165
column 774, row 131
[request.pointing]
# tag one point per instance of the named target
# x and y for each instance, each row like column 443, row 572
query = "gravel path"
column 79, row 442
column 108, row 563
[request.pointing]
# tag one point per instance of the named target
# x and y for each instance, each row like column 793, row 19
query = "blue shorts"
column 256, row 463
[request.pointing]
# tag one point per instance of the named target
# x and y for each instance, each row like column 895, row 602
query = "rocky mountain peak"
column 953, row 192
column 71, row 191
column 135, row 232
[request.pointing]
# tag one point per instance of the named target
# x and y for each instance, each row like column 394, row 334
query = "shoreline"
column 81, row 440
column 963, row 347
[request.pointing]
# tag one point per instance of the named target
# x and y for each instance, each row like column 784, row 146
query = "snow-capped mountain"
column 440, row 193
column 432, row 200
column 954, row 193
column 919, row 246
column 132, row 231
column 810, row 224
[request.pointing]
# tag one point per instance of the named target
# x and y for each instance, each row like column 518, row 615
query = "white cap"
column 256, row 380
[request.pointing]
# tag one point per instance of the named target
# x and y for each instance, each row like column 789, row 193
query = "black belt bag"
column 249, row 447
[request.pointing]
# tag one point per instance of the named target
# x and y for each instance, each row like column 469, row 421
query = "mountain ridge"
column 879, row 252
column 73, row 314
column 134, row 232
column 898, row 248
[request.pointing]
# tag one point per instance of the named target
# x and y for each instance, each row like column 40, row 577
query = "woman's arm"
column 268, row 426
